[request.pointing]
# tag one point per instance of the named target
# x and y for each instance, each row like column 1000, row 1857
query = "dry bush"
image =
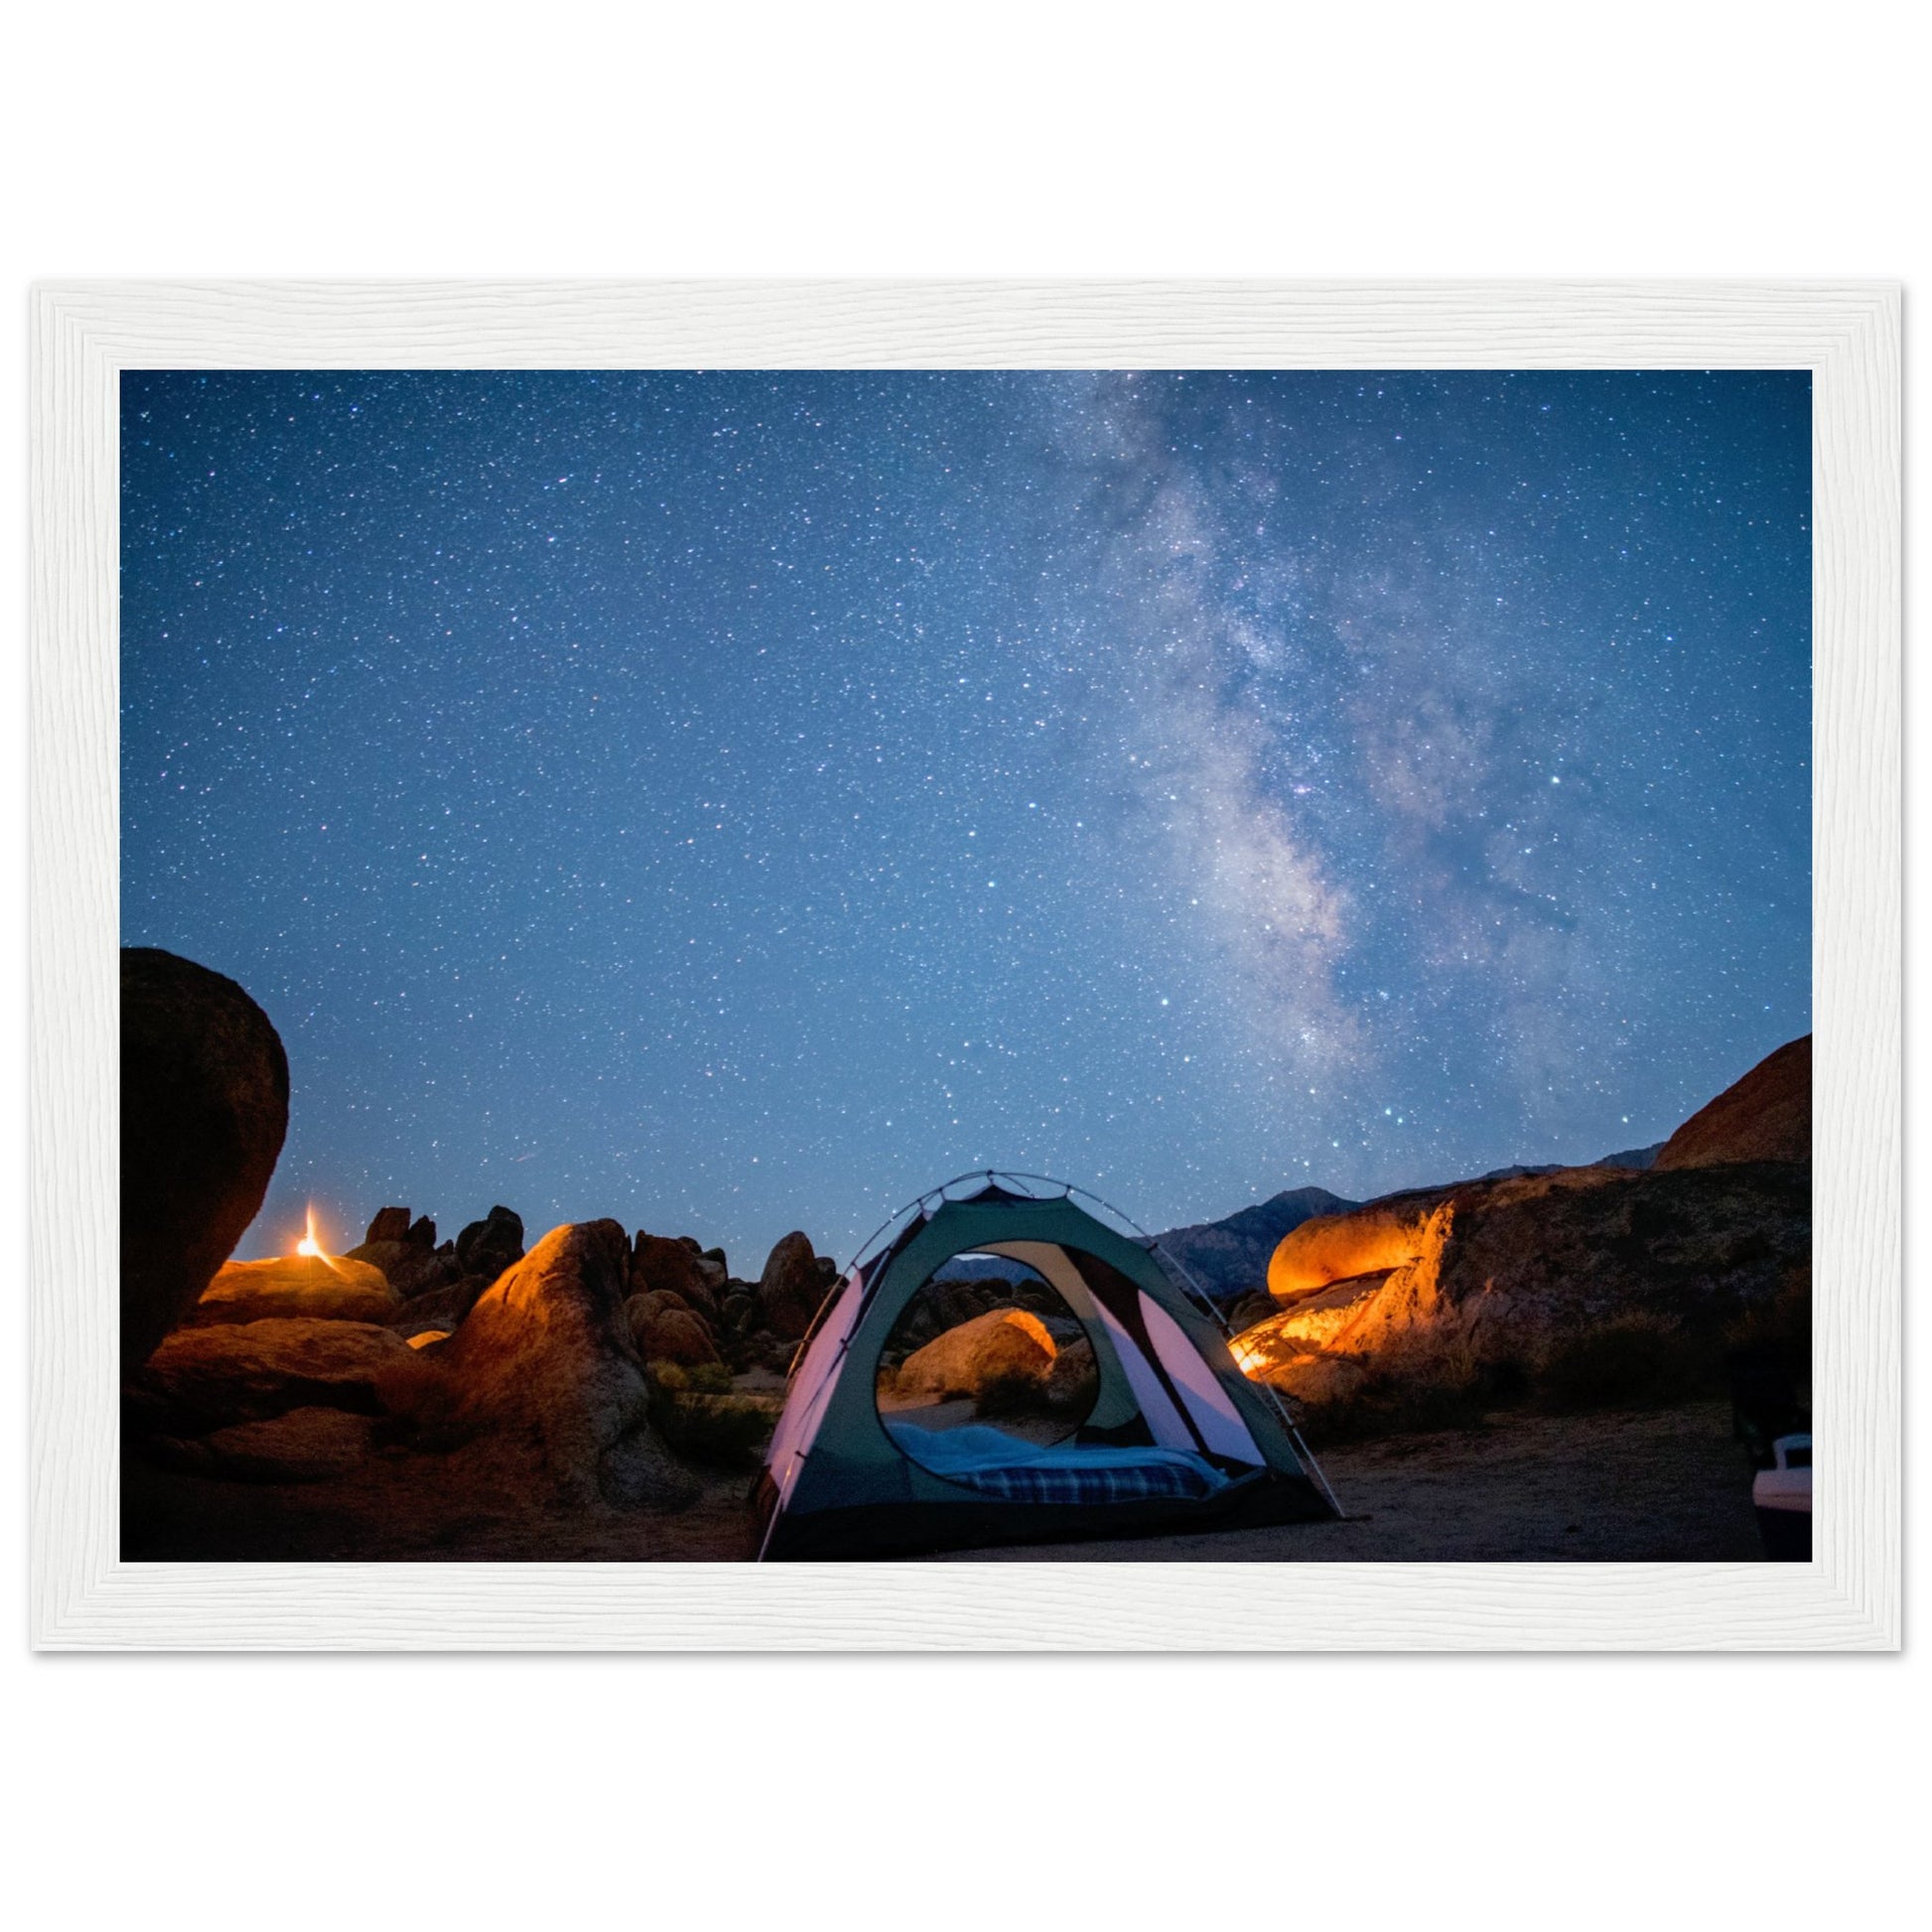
column 1636, row 1361
column 696, row 1378
column 1781, row 1326
column 693, row 1408
column 722, row 1429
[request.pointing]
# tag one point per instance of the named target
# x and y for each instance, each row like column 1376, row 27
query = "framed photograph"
column 842, row 965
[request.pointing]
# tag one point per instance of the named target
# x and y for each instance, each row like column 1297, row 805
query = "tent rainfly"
column 1178, row 1438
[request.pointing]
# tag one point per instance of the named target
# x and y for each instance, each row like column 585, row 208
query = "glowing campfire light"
column 308, row 1245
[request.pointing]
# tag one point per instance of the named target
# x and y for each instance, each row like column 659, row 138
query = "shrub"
column 698, row 1378
column 1781, row 1326
column 1637, row 1362
column 723, row 1429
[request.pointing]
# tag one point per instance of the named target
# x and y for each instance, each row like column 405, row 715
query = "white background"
column 1199, row 140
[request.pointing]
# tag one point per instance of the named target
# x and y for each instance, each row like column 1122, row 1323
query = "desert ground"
column 1648, row 1486
column 1658, row 1486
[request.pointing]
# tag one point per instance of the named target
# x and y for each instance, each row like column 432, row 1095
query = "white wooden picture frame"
column 85, row 334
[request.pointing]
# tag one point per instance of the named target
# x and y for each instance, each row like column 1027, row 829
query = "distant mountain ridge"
column 1230, row 1257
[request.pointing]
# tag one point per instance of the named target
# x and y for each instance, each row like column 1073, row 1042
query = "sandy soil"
column 1667, row 1485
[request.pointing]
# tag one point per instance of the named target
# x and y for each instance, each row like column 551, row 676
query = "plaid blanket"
column 998, row 1464
column 1047, row 1481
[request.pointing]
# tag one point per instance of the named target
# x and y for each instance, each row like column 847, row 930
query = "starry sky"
column 732, row 801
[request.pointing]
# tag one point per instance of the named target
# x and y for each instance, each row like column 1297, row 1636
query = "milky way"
column 738, row 802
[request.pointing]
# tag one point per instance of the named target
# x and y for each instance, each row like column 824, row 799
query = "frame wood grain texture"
column 84, row 334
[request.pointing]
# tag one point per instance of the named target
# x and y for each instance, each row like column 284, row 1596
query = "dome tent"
column 1176, row 1437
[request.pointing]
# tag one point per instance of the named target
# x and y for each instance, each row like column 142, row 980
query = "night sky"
column 738, row 802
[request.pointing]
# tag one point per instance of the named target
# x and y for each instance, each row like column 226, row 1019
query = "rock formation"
column 201, row 1378
column 792, row 1287
column 1509, row 1268
column 1333, row 1248
column 392, row 1224
column 666, row 1329
column 966, row 1360
column 439, row 1308
column 543, row 1378
column 659, row 1264
column 323, row 1287
column 489, row 1246
column 1765, row 1116
column 403, row 1249
column 204, row 1106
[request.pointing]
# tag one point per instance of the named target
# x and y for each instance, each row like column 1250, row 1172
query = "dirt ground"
column 1663, row 1485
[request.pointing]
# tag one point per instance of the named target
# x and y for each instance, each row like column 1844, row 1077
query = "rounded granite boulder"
column 205, row 1107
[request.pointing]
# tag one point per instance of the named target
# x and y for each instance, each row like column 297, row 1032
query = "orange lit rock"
column 962, row 1361
column 1502, row 1269
column 541, row 1388
column 1323, row 1314
column 249, row 1372
column 298, row 1288
column 425, row 1338
column 1344, row 1247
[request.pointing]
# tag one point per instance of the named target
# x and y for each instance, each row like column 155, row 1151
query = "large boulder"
column 304, row 1446
column 663, row 1333
column 1765, row 1116
column 659, row 1265
column 792, row 1287
column 1511, row 1267
column 1344, row 1247
column 402, row 1263
column 208, row 1377
column 320, row 1288
column 438, row 1307
column 489, row 1246
column 1524, row 1263
column 965, row 1361
column 205, row 1107
column 543, row 1379
column 390, row 1224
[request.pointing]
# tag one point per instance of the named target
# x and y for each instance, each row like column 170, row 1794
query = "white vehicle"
column 1782, row 1496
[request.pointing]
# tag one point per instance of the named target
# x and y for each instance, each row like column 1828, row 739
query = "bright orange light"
column 308, row 1245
